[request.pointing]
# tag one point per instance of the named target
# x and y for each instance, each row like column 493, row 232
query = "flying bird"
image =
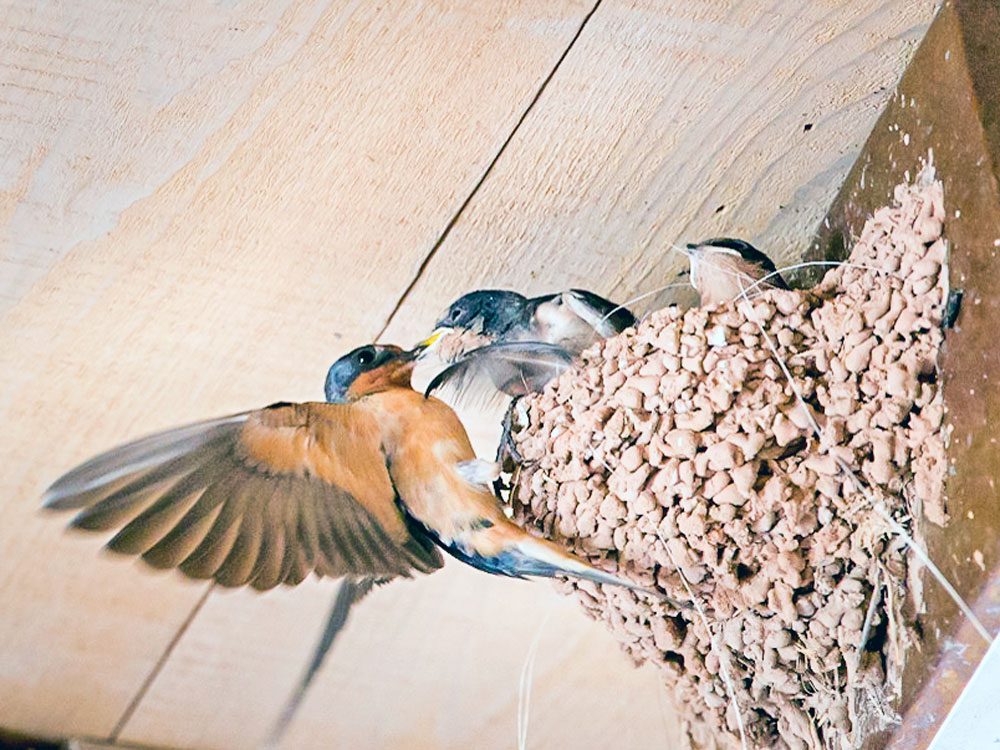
column 369, row 486
column 722, row 268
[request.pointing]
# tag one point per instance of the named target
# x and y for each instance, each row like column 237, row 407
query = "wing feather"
column 300, row 567
column 213, row 550
column 116, row 503
column 267, row 573
column 182, row 540
column 506, row 368
column 238, row 567
column 289, row 557
column 132, row 458
column 260, row 498
column 308, row 532
column 156, row 521
column 332, row 537
column 294, row 548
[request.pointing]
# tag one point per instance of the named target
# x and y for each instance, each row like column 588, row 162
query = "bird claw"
column 507, row 449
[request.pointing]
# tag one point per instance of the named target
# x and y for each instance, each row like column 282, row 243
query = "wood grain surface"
column 203, row 204
column 669, row 123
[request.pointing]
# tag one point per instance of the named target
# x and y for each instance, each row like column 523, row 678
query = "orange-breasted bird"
column 368, row 486
column 723, row 267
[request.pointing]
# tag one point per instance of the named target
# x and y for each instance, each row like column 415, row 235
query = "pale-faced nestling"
column 723, row 268
column 367, row 487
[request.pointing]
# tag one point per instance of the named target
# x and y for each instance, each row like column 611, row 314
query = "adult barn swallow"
column 368, row 486
column 722, row 268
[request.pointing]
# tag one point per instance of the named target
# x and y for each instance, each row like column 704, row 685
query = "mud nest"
column 680, row 454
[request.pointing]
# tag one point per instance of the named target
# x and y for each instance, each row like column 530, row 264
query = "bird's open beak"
column 428, row 342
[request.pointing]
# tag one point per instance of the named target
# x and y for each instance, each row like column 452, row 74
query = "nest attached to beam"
column 679, row 451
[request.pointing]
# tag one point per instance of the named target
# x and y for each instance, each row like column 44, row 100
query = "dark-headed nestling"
column 368, row 486
column 498, row 314
column 573, row 319
column 723, row 268
column 520, row 343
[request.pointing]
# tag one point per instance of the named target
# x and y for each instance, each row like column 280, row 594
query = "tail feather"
column 503, row 548
column 550, row 560
column 537, row 557
column 349, row 593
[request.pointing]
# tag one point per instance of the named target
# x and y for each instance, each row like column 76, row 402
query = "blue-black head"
column 368, row 369
column 491, row 312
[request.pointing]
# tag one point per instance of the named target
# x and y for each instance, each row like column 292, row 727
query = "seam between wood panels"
column 486, row 173
column 133, row 705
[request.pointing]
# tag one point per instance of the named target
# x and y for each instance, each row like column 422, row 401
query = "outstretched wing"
column 511, row 368
column 259, row 498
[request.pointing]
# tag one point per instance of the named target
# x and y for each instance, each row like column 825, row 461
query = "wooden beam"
column 204, row 207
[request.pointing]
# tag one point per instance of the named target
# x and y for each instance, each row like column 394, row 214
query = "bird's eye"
column 454, row 314
column 365, row 356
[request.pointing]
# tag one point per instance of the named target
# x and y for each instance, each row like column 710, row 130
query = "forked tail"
column 349, row 593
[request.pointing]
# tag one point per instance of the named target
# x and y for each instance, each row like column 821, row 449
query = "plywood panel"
column 671, row 122
column 202, row 207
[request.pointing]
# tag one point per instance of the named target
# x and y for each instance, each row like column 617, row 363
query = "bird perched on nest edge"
column 573, row 319
column 521, row 343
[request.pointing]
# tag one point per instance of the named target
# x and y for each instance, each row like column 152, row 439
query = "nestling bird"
column 529, row 341
column 368, row 486
column 722, row 268
column 573, row 319
column 509, row 345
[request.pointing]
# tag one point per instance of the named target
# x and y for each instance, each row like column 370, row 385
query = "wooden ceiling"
column 203, row 204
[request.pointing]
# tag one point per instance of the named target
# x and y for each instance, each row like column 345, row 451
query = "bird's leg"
column 479, row 473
